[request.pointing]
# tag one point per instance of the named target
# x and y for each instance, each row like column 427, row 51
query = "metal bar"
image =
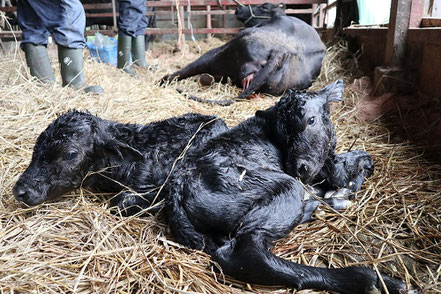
column 199, row 12
column 228, row 2
column 192, row 2
column 8, row 9
column 159, row 31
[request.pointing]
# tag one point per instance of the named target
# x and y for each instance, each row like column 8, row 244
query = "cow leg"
column 199, row 66
column 247, row 257
column 276, row 58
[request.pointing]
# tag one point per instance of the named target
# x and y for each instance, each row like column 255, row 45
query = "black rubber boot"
column 38, row 62
column 138, row 51
column 124, row 49
column 71, row 65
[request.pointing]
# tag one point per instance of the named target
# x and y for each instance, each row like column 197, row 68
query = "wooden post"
column 208, row 20
column 115, row 27
column 397, row 32
column 416, row 13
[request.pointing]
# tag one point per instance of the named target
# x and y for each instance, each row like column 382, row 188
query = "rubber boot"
column 38, row 62
column 71, row 65
column 124, row 49
column 138, row 51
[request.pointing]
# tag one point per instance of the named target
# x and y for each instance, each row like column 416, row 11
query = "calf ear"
column 333, row 92
column 123, row 150
column 267, row 114
column 282, row 5
column 106, row 145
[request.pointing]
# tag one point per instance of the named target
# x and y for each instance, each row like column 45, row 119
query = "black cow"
column 238, row 193
column 276, row 55
column 82, row 149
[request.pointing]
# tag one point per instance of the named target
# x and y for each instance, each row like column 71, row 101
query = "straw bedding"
column 76, row 245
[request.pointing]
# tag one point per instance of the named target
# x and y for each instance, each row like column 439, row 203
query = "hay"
column 76, row 245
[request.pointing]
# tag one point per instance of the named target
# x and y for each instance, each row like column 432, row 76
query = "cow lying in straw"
column 80, row 149
column 233, row 195
column 280, row 53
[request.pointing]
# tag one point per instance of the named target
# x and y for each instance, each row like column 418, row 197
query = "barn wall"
column 423, row 54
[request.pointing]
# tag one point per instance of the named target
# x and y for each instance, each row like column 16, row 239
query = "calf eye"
column 311, row 120
column 70, row 155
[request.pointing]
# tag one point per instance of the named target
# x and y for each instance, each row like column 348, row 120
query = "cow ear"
column 333, row 92
column 282, row 6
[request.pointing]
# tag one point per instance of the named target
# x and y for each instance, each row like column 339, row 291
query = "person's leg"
column 68, row 32
column 138, row 42
column 34, row 42
column 131, row 13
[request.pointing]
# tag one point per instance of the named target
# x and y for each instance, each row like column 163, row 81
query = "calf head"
column 300, row 125
column 254, row 15
column 70, row 147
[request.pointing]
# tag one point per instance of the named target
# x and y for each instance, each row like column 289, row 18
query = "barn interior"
column 387, row 52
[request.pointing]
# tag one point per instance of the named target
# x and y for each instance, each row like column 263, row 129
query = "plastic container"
column 103, row 48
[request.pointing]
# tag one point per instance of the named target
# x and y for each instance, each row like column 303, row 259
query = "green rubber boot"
column 71, row 64
column 138, row 51
column 124, row 49
column 38, row 62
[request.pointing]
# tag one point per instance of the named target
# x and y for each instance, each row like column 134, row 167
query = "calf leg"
column 246, row 257
column 183, row 230
column 129, row 203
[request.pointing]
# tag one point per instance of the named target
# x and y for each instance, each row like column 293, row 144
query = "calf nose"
column 20, row 193
column 303, row 169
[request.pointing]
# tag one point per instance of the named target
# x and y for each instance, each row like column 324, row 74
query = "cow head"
column 254, row 15
column 300, row 125
column 71, row 146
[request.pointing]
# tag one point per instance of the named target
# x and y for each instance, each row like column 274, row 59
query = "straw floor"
column 76, row 245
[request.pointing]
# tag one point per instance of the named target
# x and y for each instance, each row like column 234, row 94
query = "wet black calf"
column 239, row 192
column 81, row 149
column 272, row 57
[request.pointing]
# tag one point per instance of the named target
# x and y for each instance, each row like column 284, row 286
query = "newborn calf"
column 240, row 192
column 80, row 149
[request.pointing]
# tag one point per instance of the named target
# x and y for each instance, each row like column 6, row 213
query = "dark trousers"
column 132, row 19
column 64, row 19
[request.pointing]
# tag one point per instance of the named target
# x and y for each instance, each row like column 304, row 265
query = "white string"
column 190, row 26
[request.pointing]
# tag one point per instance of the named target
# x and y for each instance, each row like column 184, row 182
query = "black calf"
column 113, row 156
column 238, row 193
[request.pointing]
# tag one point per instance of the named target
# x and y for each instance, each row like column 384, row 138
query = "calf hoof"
column 340, row 193
column 340, row 204
column 372, row 290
